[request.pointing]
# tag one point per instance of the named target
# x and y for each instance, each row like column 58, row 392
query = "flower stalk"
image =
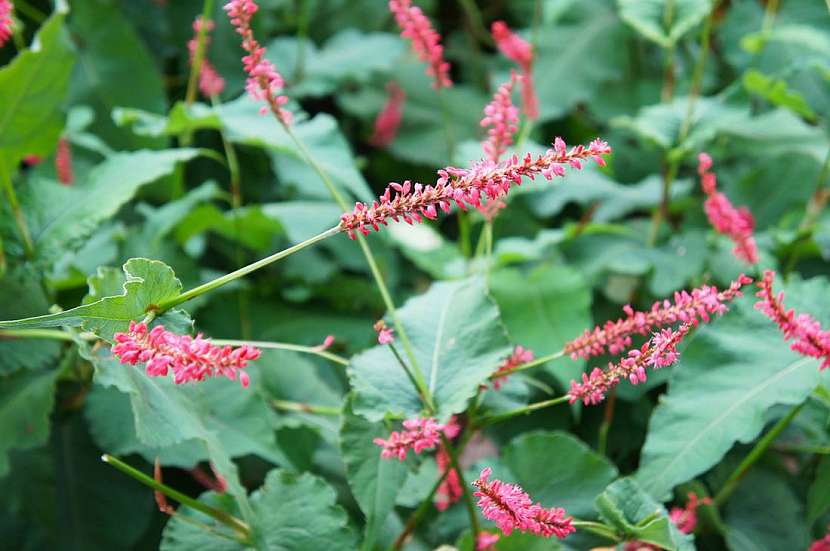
column 199, row 54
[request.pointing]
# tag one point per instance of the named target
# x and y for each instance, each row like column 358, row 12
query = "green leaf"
column 763, row 496
column 375, row 482
column 458, row 341
column 147, row 283
column 179, row 120
column 732, row 372
column 134, row 80
column 818, row 498
column 776, row 92
column 61, row 217
column 543, row 310
column 664, row 21
column 26, row 401
column 632, row 512
column 778, row 132
column 32, row 88
column 578, row 477
column 292, row 513
column 22, row 296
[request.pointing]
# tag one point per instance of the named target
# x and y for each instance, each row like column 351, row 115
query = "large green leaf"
column 818, row 499
column 760, row 497
column 292, row 513
column 458, row 341
column 115, row 69
column 558, row 469
column 728, row 377
column 664, row 21
column 32, row 89
column 776, row 92
column 375, row 482
column 147, row 283
column 632, row 512
column 61, row 217
column 20, row 297
column 543, row 310
column 26, row 400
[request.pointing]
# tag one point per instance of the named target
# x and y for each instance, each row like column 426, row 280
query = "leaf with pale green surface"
column 559, row 470
column 374, row 481
column 32, row 89
column 632, row 512
column 664, row 21
column 22, row 296
column 458, row 341
column 730, row 374
column 776, row 92
column 293, row 512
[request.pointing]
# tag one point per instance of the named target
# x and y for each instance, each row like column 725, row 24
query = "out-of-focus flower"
column 385, row 333
column 63, row 162
column 685, row 518
column 211, row 82
column 6, row 21
column 389, row 119
column 486, row 541
column 518, row 50
column 450, row 490
column 426, row 42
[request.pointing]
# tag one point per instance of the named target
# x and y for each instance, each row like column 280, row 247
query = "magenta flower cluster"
column 426, row 42
column 804, row 330
column 264, row 82
column 519, row 356
column 737, row 224
column 694, row 307
column 484, row 181
column 509, row 506
column 389, row 119
column 418, row 435
column 211, row 82
column 659, row 351
column 503, row 119
column 191, row 359
column 6, row 22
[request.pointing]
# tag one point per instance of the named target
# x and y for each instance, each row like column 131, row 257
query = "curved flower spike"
column 426, row 42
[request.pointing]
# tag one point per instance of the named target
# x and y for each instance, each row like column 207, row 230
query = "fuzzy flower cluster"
column 694, row 307
column 659, row 351
column 190, row 359
column 264, row 82
column 519, row 356
column 211, row 82
column 63, row 162
column 823, row 544
column 503, row 119
column 385, row 333
column 512, row 509
column 389, row 119
column 518, row 50
column 685, row 518
column 737, row 224
column 486, row 541
column 6, row 22
column 804, row 330
column 450, row 490
column 484, row 181
column 426, row 42
column 418, row 434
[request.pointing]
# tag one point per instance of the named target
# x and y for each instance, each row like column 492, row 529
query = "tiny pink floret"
column 426, row 42
column 190, row 359
column 809, row 339
column 502, row 118
column 264, row 82
column 509, row 506
column 519, row 356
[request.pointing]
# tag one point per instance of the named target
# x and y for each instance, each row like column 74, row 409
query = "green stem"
column 668, row 65
column 802, row 448
column 286, row 405
column 522, row 411
column 476, row 21
column 245, row 270
column 607, row 419
column 419, row 513
column 814, row 207
column 754, row 455
column 420, row 384
column 769, row 15
column 55, row 334
column 229, row 520
column 464, row 233
column 661, row 212
column 199, row 56
column 447, row 120
column 302, row 35
column 468, row 498
column 20, row 220
column 597, row 528
column 697, row 76
column 29, row 11
column 530, row 365
column 284, row 346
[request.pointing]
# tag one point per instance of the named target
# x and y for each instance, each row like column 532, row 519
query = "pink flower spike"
column 694, row 307
column 264, row 82
column 823, row 544
column 486, row 541
column 418, row 435
column 519, row 356
column 426, row 42
column 6, row 22
column 659, row 351
column 503, row 119
column 511, row 509
column 211, row 82
column 63, row 162
column 737, row 224
column 809, row 339
column 389, row 119
column 685, row 518
column 485, row 180
column 190, row 359
column 385, row 334
column 518, row 50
